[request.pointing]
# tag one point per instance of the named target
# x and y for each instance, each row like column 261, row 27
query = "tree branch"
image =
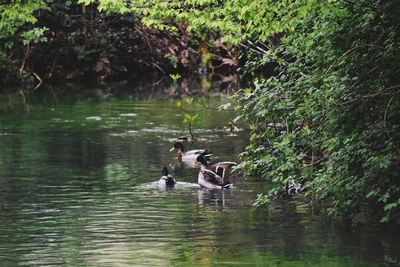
column 22, row 68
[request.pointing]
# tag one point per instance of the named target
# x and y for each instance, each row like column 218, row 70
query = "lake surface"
column 76, row 189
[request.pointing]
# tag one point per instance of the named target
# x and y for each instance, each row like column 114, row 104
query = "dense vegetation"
column 328, row 116
column 323, row 82
column 52, row 40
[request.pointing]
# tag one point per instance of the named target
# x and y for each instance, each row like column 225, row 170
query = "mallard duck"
column 166, row 180
column 293, row 188
column 212, row 176
column 231, row 128
column 183, row 155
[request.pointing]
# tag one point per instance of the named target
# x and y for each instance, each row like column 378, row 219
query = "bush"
column 329, row 115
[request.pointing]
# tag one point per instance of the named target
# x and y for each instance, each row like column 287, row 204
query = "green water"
column 75, row 190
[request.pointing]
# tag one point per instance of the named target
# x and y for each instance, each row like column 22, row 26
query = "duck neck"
column 180, row 148
column 203, row 167
column 179, row 154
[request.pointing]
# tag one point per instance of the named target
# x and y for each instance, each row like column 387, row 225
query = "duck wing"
column 170, row 181
column 194, row 152
column 220, row 167
column 224, row 164
column 212, row 177
column 197, row 152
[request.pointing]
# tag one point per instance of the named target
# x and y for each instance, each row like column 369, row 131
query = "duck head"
column 202, row 159
column 166, row 180
column 165, row 171
column 178, row 146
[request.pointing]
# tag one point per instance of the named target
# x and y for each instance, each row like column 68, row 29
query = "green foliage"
column 173, row 60
column 328, row 115
column 17, row 20
column 108, row 6
column 188, row 118
column 16, row 14
column 35, row 36
column 236, row 20
column 175, row 77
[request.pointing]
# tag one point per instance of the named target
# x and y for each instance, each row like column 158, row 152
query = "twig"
column 190, row 130
column 40, row 80
column 359, row 80
column 252, row 49
column 312, row 163
column 385, row 118
column 52, row 67
column 158, row 67
column 287, row 126
column 23, row 96
column 159, row 81
column 257, row 47
column 334, row 63
column 21, row 69
column 145, row 37
column 381, row 92
column 202, row 104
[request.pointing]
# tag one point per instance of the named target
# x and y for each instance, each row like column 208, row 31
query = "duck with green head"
column 166, row 180
column 190, row 155
column 212, row 176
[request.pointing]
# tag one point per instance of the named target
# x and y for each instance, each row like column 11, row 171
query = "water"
column 76, row 189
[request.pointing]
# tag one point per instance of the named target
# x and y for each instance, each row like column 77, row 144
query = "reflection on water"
column 78, row 188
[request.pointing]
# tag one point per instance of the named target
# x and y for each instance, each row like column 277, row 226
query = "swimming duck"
column 212, row 176
column 191, row 154
column 293, row 188
column 166, row 180
column 231, row 128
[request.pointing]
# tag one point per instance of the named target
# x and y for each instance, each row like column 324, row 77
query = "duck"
column 166, row 180
column 293, row 188
column 212, row 176
column 231, row 128
column 190, row 155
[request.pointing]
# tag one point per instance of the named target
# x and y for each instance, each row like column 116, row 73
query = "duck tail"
column 170, row 181
column 207, row 157
column 227, row 185
column 207, row 153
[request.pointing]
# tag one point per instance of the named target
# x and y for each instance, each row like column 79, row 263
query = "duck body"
column 166, row 180
column 212, row 177
column 293, row 188
column 190, row 155
column 211, row 180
